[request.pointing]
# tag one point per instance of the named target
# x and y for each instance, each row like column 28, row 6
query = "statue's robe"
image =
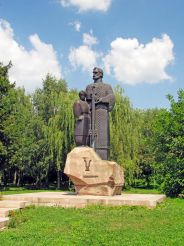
column 104, row 93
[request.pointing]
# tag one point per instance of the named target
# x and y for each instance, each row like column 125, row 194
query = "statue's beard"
column 96, row 78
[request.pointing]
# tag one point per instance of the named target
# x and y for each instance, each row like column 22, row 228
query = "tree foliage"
column 53, row 104
column 7, row 100
column 124, row 132
column 169, row 146
column 37, row 132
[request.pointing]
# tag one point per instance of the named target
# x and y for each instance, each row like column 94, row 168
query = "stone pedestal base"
column 91, row 175
column 70, row 200
column 98, row 190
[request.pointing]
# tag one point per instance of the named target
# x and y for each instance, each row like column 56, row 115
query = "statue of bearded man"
column 101, row 100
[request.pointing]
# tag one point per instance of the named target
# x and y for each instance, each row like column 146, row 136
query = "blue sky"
column 138, row 43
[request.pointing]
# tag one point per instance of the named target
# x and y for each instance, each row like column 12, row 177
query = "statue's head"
column 82, row 95
column 97, row 74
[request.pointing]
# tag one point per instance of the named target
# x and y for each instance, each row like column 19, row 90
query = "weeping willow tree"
column 59, row 132
column 54, row 103
column 125, row 133
column 54, row 137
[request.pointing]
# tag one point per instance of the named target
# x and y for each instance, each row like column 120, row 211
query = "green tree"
column 53, row 104
column 7, row 99
column 124, row 132
column 169, row 146
column 146, row 159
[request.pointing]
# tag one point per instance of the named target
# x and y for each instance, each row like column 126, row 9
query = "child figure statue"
column 82, row 113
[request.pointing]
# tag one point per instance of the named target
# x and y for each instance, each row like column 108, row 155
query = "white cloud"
column 89, row 39
column 76, row 25
column 29, row 66
column 133, row 63
column 83, row 57
column 86, row 5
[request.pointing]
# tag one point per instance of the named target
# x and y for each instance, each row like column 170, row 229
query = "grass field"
column 97, row 225
column 19, row 190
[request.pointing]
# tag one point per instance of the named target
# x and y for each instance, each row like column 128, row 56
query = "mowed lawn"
column 96, row 225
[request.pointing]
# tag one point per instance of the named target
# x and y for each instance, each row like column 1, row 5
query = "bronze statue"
column 100, row 98
column 82, row 112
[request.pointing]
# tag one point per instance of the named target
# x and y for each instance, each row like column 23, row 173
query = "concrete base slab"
column 69, row 199
column 4, row 212
column 12, row 203
column 3, row 223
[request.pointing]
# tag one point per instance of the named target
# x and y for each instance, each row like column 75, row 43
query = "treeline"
column 37, row 132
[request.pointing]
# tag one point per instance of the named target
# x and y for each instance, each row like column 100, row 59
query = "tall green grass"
column 97, row 225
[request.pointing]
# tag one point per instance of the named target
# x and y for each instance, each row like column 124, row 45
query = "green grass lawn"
column 97, row 225
column 20, row 190
column 141, row 191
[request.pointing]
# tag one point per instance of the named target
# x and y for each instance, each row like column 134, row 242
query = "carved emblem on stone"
column 87, row 164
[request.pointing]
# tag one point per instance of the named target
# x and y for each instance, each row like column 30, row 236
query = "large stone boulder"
column 91, row 175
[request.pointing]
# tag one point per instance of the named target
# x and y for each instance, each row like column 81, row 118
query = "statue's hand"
column 99, row 100
column 81, row 117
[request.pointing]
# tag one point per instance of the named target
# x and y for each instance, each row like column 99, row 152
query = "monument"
column 87, row 165
column 81, row 111
column 101, row 100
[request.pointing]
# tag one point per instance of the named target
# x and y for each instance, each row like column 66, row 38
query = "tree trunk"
column 19, row 179
column 37, row 183
column 15, row 178
column 47, row 179
column 1, row 178
column 4, row 179
column 69, row 183
column 58, row 179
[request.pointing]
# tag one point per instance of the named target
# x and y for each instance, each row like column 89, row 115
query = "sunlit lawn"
column 19, row 190
column 97, row 225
